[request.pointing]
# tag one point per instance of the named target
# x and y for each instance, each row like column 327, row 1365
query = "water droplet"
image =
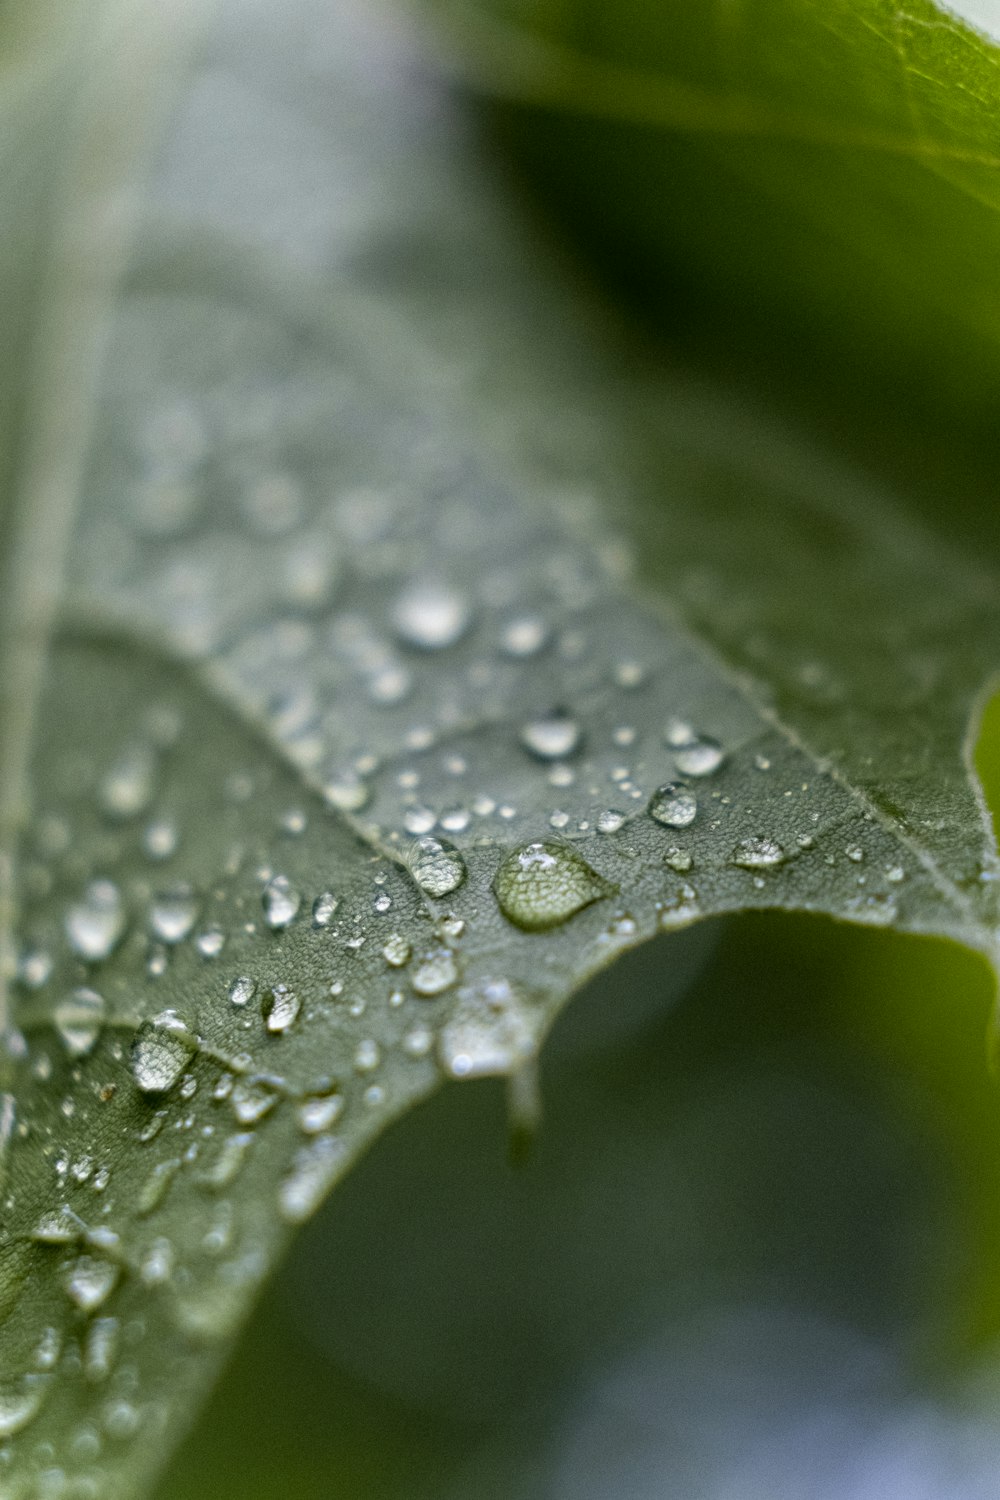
column 490, row 1034
column 755, row 853
column 90, row 1280
column 227, row 1166
column 854, row 853
column 677, row 733
column 211, row 942
column 419, row 820
column 161, row 1050
column 524, row 636
column 396, row 950
column 79, row 1019
column 160, row 839
column 242, row 989
column 281, row 1008
column 323, row 909
column 610, row 820
column 436, row 972
column 895, row 874
column 367, row 1056
column 544, row 884
column 20, row 1402
column 701, row 757
column 317, row 1115
column 678, row 859
column 173, row 914
column 253, row 1098
column 382, row 902
column 314, row 1172
column 127, row 789
column 437, row 866
column 551, row 737
column 96, row 924
column 431, row 616
column 281, row 903
column 347, row 792
column 35, row 969
column 101, row 1348
column 674, row 805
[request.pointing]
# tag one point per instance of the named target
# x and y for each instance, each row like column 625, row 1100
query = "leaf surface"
column 382, row 536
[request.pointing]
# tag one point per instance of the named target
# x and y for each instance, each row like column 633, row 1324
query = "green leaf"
column 369, row 533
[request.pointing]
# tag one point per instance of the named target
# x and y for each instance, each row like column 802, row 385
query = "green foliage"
column 387, row 647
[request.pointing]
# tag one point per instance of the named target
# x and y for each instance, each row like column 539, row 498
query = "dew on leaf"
column 437, row 866
column 436, row 972
column 317, row 1115
column 211, row 942
column 702, row 757
column 680, row 860
column 431, row 616
column 346, row 791
column 242, row 989
column 96, row 924
column 523, row 636
column 227, row 1166
column 160, row 839
column 367, row 1056
column 419, row 820
column 544, row 884
column 100, row 1350
column 281, row 902
column 20, row 1402
column 89, row 1281
column 253, row 1098
column 78, row 1019
column 758, row 852
column 551, row 737
column 323, row 908
column 315, row 1169
column 490, row 1034
column 173, row 913
column 674, row 805
column 281, row 1008
column 610, row 820
column 161, row 1050
column 128, row 787
column 396, row 950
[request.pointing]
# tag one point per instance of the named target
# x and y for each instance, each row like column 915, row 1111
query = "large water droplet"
column 673, row 805
column 701, row 757
column 431, row 616
column 437, row 866
column 161, row 1050
column 95, row 924
column 757, row 853
column 543, row 884
column 78, row 1020
column 281, row 902
column 551, row 737
column 173, row 913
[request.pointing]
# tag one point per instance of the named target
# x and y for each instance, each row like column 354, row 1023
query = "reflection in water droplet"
column 551, row 737
column 758, row 852
column 79, row 1019
column 543, row 884
column 673, row 805
column 161, row 1050
column 437, row 866
column 701, row 757
column 96, row 924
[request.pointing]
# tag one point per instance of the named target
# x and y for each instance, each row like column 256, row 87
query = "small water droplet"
column 674, row 805
column 680, row 860
column 544, row 884
column 436, row 972
column 211, row 942
column 323, row 909
column 610, row 820
column 431, row 616
column 253, row 1098
column 396, row 950
column 161, row 1050
column 79, row 1019
column 854, row 853
column 173, row 913
column 757, row 852
column 127, row 789
column 347, row 792
column 551, row 737
column 281, row 903
column 437, row 866
column 316, row 1115
column 101, row 1348
column 281, row 1008
column 419, row 820
column 96, row 924
column 524, row 636
column 160, row 839
column 242, row 989
column 315, row 1169
column 20, row 1402
column 702, row 757
column 895, row 874
column 90, row 1280
column 491, row 1033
